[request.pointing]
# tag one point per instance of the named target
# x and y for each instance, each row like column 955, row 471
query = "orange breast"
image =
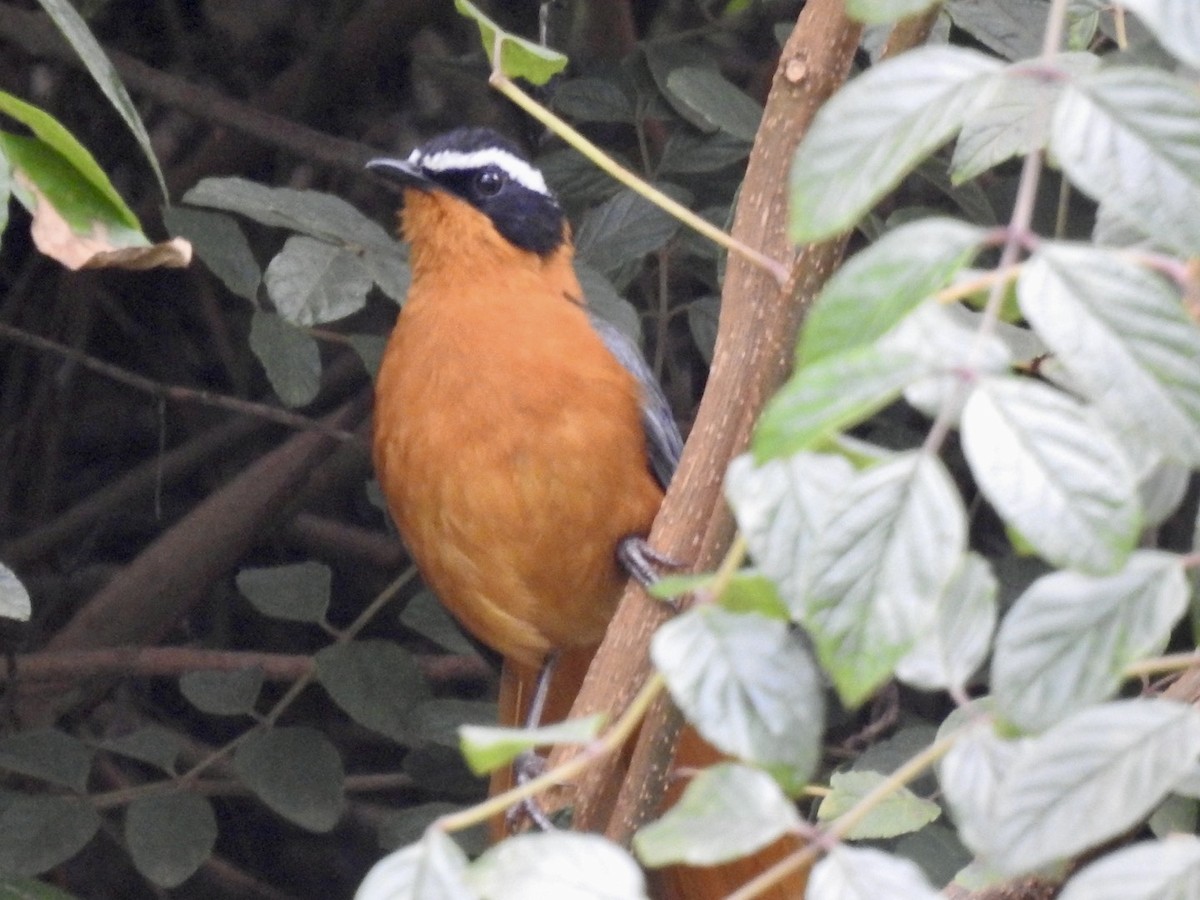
column 509, row 445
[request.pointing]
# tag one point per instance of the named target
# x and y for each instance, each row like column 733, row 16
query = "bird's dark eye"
column 489, row 182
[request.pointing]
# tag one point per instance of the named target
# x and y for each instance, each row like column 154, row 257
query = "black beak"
column 402, row 172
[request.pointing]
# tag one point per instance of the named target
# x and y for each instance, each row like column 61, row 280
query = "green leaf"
column 151, row 744
column 39, row 833
column 1090, row 778
column 377, row 682
column 961, row 636
column 747, row 684
column 487, row 748
column 14, row 598
column 313, row 213
column 1174, row 23
column 221, row 243
column 48, row 754
column 592, row 100
column 1050, row 469
column 519, row 58
column 1130, row 136
column 560, row 864
column 1014, row 112
column 1151, row 870
column 748, row 592
column 694, row 154
column 433, row 868
column 296, row 772
column 881, row 12
column 425, row 615
column 311, row 281
column 223, row 693
column 169, row 837
column 622, row 229
column 872, row 578
column 860, row 873
column 880, row 285
column 297, row 593
column 603, row 302
column 899, row 813
column 726, row 812
column 52, row 134
column 440, row 721
column 875, row 130
column 18, row 888
column 370, row 349
column 1123, row 337
column 781, row 507
column 703, row 316
column 1068, row 638
column 832, row 394
column 715, row 101
column 75, row 30
column 1012, row 29
column 290, row 357
column 406, row 825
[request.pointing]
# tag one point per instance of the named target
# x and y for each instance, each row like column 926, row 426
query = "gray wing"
column 663, row 441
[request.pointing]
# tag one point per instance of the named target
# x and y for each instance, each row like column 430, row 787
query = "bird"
column 522, row 443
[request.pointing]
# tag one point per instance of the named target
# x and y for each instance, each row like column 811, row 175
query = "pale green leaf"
column 747, row 684
column 519, row 58
column 1174, row 23
column 563, row 865
column 881, row 284
column 312, row 282
column 1045, row 462
column 487, row 748
column 433, row 869
column 170, row 836
column 900, row 812
column 1152, row 870
column 862, row 873
column 726, row 812
column 1068, row 638
column 1090, row 778
column 875, row 130
column 14, row 598
column 1124, row 338
column 220, row 242
column 289, row 355
column 877, row 12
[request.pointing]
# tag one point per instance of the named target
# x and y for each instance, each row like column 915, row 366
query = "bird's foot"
column 643, row 563
column 527, row 767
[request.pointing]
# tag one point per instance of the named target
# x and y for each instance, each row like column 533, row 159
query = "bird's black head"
column 488, row 171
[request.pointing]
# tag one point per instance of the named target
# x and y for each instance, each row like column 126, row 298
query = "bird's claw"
column 527, row 767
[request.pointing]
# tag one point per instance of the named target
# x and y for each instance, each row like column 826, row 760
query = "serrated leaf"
column 881, row 284
column 313, row 213
column 48, row 754
column 289, row 355
column 901, row 812
column 1152, row 870
column 1068, row 638
column 746, row 683
column 220, row 242
column 1128, row 135
column 433, row 869
column 880, row 12
column 1124, row 338
column 623, row 228
column 873, row 131
column 727, row 811
column 1174, row 23
column 564, row 865
column 893, row 539
column 39, row 833
column 312, row 281
column 75, row 30
column 14, row 598
column 832, row 394
column 715, row 101
column 1012, row 117
column 297, row 593
column 223, row 693
column 518, row 57
column 781, row 507
column 860, row 873
column 592, row 100
column 296, row 772
column 487, row 748
column 1047, row 465
column 1089, row 778
column 170, row 836
column 377, row 682
column 151, row 744
column 961, row 636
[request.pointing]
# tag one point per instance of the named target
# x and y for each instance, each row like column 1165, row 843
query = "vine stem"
column 509, row 89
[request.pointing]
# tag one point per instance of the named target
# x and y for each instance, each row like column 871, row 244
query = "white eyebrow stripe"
column 453, row 160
